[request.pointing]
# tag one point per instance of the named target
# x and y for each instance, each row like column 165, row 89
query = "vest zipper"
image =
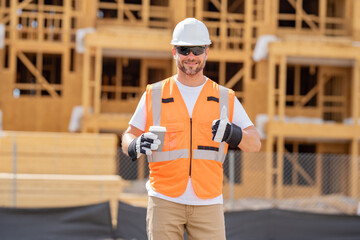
column 190, row 146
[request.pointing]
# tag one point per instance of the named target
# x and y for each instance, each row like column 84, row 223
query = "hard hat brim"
column 192, row 43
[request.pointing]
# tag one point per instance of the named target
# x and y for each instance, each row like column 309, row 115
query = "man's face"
column 188, row 62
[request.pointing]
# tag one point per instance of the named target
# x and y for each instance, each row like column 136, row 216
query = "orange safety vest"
column 188, row 148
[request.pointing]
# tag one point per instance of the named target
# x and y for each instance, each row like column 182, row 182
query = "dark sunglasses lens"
column 183, row 50
column 197, row 50
column 186, row 50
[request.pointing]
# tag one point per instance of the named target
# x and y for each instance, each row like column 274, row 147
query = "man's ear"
column 207, row 51
column 174, row 52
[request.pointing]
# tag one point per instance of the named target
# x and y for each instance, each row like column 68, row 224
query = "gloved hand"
column 223, row 130
column 144, row 144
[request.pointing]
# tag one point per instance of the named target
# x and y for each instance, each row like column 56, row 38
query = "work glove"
column 144, row 144
column 224, row 131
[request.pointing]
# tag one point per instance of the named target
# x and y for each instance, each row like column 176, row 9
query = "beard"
column 191, row 70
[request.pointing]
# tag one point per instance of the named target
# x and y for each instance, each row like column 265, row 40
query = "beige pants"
column 168, row 221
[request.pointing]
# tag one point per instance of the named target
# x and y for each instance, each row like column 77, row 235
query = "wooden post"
column 223, row 26
column 270, row 136
column 298, row 15
column 297, row 82
column 271, row 87
column 143, row 76
column 354, row 168
column 273, row 12
column 248, row 41
column 65, row 33
column 178, row 9
column 355, row 85
column 279, row 167
column 269, row 164
column 86, row 83
column 39, row 66
column 97, row 80
column 282, row 88
column 13, row 37
column 322, row 16
column 118, row 78
column 222, row 73
column 40, row 16
column 356, row 20
column 199, row 9
column 318, row 175
column 354, row 180
column 146, row 13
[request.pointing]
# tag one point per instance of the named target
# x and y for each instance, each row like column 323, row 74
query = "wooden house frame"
column 311, row 70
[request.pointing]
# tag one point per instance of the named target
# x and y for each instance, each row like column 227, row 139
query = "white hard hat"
column 190, row 32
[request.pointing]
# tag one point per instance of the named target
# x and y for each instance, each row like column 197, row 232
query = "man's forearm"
column 251, row 140
column 129, row 135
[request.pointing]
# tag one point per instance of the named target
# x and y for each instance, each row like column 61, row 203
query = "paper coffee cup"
column 160, row 132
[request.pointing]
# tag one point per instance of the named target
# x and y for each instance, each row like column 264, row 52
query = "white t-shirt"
column 190, row 95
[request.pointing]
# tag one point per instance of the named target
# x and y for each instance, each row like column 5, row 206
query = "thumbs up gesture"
column 224, row 131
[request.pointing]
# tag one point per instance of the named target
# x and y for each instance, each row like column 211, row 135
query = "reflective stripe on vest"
column 198, row 154
column 168, row 156
column 156, row 100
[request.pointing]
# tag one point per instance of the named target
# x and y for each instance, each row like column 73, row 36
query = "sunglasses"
column 196, row 50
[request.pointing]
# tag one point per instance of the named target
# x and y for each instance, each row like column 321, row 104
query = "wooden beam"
column 234, row 5
column 297, row 5
column 322, row 16
column 145, row 16
column 269, row 186
column 97, row 80
column 282, row 87
column 39, row 67
column 199, row 9
column 318, row 131
column 217, row 4
column 271, row 88
column 354, row 168
column 355, row 92
column 248, row 32
column 222, row 73
column 23, row 4
column 86, row 85
column 37, row 74
column 279, row 167
column 118, row 78
column 315, row 90
column 314, row 49
column 319, row 167
column 236, row 78
column 143, row 76
column 355, row 20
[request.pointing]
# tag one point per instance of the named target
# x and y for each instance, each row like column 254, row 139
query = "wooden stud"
column 282, row 88
column 222, row 73
column 355, row 93
column 271, row 88
column 97, row 80
column 322, row 16
column 145, row 12
column 354, row 168
column 279, row 167
column 118, row 78
column 86, row 84
column 269, row 186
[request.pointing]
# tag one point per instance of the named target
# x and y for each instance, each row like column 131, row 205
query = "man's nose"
column 191, row 54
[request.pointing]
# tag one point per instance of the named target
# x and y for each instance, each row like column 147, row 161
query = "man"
column 201, row 120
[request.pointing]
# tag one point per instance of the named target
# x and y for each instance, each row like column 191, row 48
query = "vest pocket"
column 205, row 136
column 172, row 136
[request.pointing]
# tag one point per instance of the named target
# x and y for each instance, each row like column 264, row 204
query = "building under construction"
column 82, row 66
